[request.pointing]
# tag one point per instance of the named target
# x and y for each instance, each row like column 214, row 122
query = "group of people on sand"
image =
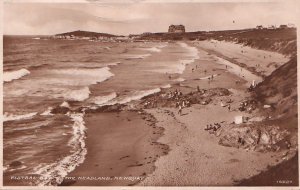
column 182, row 104
column 212, row 128
column 174, row 95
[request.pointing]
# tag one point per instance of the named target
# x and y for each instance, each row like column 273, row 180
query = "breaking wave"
column 101, row 100
column 54, row 174
column 13, row 75
column 138, row 95
column 11, row 117
column 166, row 86
column 91, row 76
column 153, row 49
column 77, row 95
column 142, row 56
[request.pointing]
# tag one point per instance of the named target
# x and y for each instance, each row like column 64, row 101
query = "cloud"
column 140, row 16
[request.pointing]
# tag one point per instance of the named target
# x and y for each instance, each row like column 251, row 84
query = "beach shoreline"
column 178, row 146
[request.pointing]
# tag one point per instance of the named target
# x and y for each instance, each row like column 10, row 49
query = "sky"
column 123, row 17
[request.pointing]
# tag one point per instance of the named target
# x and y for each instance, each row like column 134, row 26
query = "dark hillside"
column 280, row 89
column 80, row 33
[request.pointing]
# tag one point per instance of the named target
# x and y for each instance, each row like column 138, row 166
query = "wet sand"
column 120, row 145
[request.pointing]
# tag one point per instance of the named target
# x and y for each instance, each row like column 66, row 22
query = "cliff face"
column 280, row 89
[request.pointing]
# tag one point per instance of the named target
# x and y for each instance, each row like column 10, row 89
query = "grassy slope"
column 280, row 89
column 279, row 40
column 80, row 33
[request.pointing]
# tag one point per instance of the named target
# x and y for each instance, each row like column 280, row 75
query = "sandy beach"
column 161, row 147
column 119, row 145
column 133, row 94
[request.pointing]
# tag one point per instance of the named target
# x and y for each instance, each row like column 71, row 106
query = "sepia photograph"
column 150, row 93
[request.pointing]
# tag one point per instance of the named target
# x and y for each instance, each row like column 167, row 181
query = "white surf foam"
column 179, row 80
column 11, row 117
column 132, row 97
column 153, row 49
column 47, row 112
column 192, row 55
column 166, row 86
column 138, row 95
column 100, row 100
column 65, row 104
column 54, row 174
column 77, row 95
column 84, row 76
column 141, row 56
column 113, row 63
column 13, row 75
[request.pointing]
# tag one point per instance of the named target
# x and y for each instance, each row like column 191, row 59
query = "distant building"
column 176, row 29
column 283, row 26
column 259, row 27
column 272, row 27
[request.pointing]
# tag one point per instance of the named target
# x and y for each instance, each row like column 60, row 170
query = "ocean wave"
column 92, row 76
column 153, row 49
column 132, row 56
column 77, row 95
column 179, row 80
column 100, row 100
column 113, row 63
column 192, row 54
column 35, row 125
column 166, row 86
column 138, row 95
column 8, row 169
column 47, row 112
column 11, row 117
column 65, row 104
column 53, row 174
column 13, row 75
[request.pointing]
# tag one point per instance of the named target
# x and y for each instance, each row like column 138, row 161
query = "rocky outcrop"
column 258, row 138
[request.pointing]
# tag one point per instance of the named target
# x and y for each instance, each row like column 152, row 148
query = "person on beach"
column 229, row 107
column 179, row 110
column 205, row 71
column 183, row 104
column 198, row 88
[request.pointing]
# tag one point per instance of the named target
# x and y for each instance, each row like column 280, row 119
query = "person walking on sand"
column 198, row 88
column 179, row 110
column 229, row 107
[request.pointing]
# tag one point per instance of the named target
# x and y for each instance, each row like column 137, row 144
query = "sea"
column 40, row 74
